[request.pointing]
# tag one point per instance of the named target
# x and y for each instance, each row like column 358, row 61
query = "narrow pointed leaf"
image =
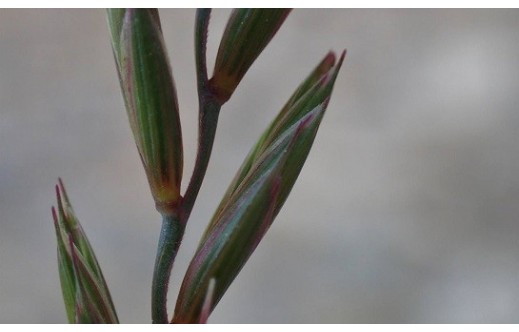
column 265, row 163
column 242, row 223
column 85, row 293
column 72, row 227
column 247, row 33
column 315, row 90
column 150, row 98
column 257, row 194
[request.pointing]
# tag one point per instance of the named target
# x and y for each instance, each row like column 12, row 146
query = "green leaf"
column 315, row 90
column 247, row 33
column 150, row 98
column 85, row 293
column 257, row 195
column 217, row 259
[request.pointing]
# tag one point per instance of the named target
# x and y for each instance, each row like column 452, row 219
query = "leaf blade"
column 310, row 93
column 151, row 101
column 85, row 292
column 247, row 33
column 249, row 208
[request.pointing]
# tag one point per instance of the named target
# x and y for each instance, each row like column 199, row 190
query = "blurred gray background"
column 406, row 210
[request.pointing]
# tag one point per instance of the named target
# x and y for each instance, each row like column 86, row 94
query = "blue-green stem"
column 209, row 109
column 208, row 121
column 170, row 237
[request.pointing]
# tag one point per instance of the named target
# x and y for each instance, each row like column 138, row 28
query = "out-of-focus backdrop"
column 407, row 209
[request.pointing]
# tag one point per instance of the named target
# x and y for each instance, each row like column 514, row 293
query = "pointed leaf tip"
column 62, row 189
column 329, row 60
column 315, row 90
column 246, row 35
column 85, row 293
column 257, row 193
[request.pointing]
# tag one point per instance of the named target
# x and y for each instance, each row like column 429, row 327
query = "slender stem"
column 202, row 23
column 209, row 109
column 207, row 124
column 170, row 237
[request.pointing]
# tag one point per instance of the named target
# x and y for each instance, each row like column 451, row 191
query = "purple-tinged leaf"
column 218, row 258
column 151, row 101
column 85, row 293
column 315, row 90
column 257, row 194
column 248, row 32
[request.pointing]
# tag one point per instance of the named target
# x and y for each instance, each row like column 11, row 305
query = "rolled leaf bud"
column 256, row 196
column 85, row 293
column 316, row 89
column 151, row 100
column 247, row 33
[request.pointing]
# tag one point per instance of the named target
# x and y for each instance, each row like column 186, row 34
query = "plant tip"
column 329, row 59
